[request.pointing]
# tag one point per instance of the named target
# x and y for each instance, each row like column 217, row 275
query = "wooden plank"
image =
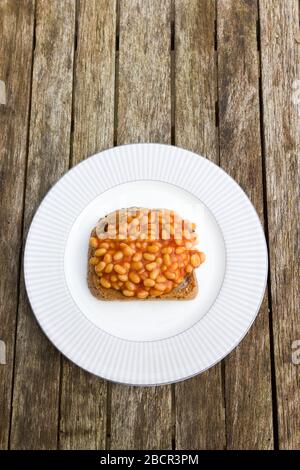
column 94, row 78
column 280, row 56
column 141, row 417
column 200, row 419
column 16, row 39
column 144, row 95
column 248, row 395
column 37, row 364
column 84, row 396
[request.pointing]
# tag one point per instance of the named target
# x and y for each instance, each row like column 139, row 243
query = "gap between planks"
column 217, row 123
column 266, row 227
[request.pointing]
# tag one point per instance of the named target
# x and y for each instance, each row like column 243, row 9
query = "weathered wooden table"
column 221, row 78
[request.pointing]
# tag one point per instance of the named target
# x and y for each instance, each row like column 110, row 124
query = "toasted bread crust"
column 187, row 290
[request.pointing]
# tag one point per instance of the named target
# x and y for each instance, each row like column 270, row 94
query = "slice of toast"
column 187, row 290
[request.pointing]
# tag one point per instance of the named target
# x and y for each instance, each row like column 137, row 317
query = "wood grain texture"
column 199, row 402
column 195, row 77
column 37, row 363
column 94, row 78
column 144, row 94
column 84, row 396
column 280, row 59
column 141, row 417
column 16, row 39
column 248, row 395
column 83, row 409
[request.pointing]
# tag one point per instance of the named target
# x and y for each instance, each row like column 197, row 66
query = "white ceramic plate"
column 146, row 342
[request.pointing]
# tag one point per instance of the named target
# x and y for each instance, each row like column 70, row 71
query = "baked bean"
column 173, row 267
column 170, row 275
column 167, row 250
column 93, row 242
column 100, row 252
column 154, row 273
column 105, row 282
column 113, row 278
column 150, row 266
column 143, row 275
column 119, row 255
column 104, row 245
column 189, row 268
column 137, row 265
column 159, row 260
column 109, row 268
column 128, row 293
column 142, row 294
column 160, row 286
column 126, row 266
column 153, row 248
column 149, row 256
column 94, row 260
column 107, row 258
column 134, row 277
column 137, row 256
column 155, row 292
column 128, row 251
column 149, row 282
column 123, row 277
column 161, row 278
column 180, row 250
column 167, row 260
column 119, row 269
column 115, row 286
column 195, row 260
column 169, row 286
column 130, row 285
column 100, row 266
